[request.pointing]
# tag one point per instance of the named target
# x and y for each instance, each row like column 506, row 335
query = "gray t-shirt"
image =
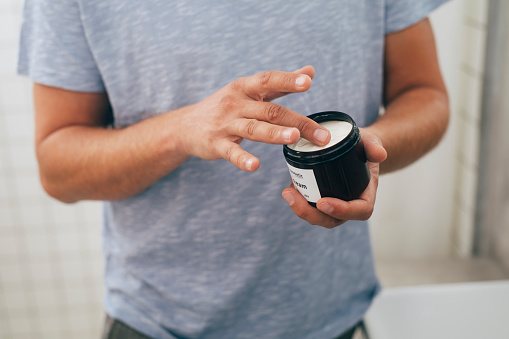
column 210, row 251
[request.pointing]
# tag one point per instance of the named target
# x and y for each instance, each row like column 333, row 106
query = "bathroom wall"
column 50, row 256
column 492, row 217
column 50, row 261
column 426, row 211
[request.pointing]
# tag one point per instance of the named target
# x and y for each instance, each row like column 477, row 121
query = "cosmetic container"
column 338, row 169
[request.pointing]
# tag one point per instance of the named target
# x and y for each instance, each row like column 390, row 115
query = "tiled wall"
column 50, row 256
column 50, row 261
column 469, row 111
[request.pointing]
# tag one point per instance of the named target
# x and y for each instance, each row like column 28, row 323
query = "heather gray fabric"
column 210, row 251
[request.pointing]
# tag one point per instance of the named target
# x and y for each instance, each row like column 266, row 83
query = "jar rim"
column 332, row 151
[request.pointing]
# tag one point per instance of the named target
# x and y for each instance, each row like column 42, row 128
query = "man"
column 197, row 246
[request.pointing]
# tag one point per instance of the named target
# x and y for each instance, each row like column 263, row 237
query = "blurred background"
column 443, row 219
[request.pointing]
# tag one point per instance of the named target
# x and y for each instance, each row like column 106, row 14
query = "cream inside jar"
column 339, row 130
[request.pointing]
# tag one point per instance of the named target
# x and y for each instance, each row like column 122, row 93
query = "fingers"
column 303, row 210
column 237, row 155
column 375, row 152
column 281, row 116
column 262, row 85
column 262, row 131
column 306, row 70
column 331, row 212
column 358, row 209
column 348, row 210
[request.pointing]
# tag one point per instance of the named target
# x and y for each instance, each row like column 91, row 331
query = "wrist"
column 172, row 137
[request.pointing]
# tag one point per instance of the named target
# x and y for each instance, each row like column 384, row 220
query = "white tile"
column 470, row 144
column 473, row 98
column 94, row 240
column 8, row 61
column 464, row 235
column 477, row 10
column 5, row 192
column 22, row 155
column 63, row 213
column 5, row 158
column 51, row 324
column 76, row 296
column 92, row 212
column 38, row 244
column 13, row 92
column 47, row 298
column 9, row 246
column 6, row 217
column 20, row 126
column 67, row 242
column 468, row 190
column 80, row 322
column 16, row 300
column 9, row 29
column 28, row 187
column 31, row 215
column 43, row 271
column 72, row 270
column 12, row 272
column 16, row 7
column 474, row 48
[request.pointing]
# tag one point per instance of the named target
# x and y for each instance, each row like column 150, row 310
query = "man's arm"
column 80, row 158
column 415, row 119
column 416, row 102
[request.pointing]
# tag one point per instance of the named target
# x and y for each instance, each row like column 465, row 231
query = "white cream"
column 338, row 130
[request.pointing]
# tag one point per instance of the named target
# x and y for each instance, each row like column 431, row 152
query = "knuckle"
column 229, row 153
column 289, row 81
column 304, row 125
column 233, row 156
column 228, row 103
column 251, row 127
column 236, row 85
column 273, row 133
column 265, row 78
column 302, row 214
column 275, row 112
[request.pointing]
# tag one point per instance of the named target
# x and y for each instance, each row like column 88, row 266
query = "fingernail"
column 325, row 208
column 301, row 81
column 249, row 163
column 320, row 135
column 287, row 134
column 289, row 198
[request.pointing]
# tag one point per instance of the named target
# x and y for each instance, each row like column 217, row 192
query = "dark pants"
column 114, row 329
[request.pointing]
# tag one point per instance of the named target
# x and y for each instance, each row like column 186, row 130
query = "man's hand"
column 331, row 212
column 213, row 128
column 127, row 161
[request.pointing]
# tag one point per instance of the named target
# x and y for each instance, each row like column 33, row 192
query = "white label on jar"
column 305, row 182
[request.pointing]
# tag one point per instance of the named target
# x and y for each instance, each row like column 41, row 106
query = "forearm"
column 81, row 162
column 413, row 123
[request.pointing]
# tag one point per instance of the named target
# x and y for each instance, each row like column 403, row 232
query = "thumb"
column 307, row 70
column 375, row 152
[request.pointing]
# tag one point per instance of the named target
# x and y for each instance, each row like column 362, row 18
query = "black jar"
column 338, row 170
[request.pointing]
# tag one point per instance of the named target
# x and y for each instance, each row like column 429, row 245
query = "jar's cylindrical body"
column 338, row 171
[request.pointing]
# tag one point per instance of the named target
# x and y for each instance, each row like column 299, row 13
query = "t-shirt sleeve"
column 400, row 14
column 54, row 50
